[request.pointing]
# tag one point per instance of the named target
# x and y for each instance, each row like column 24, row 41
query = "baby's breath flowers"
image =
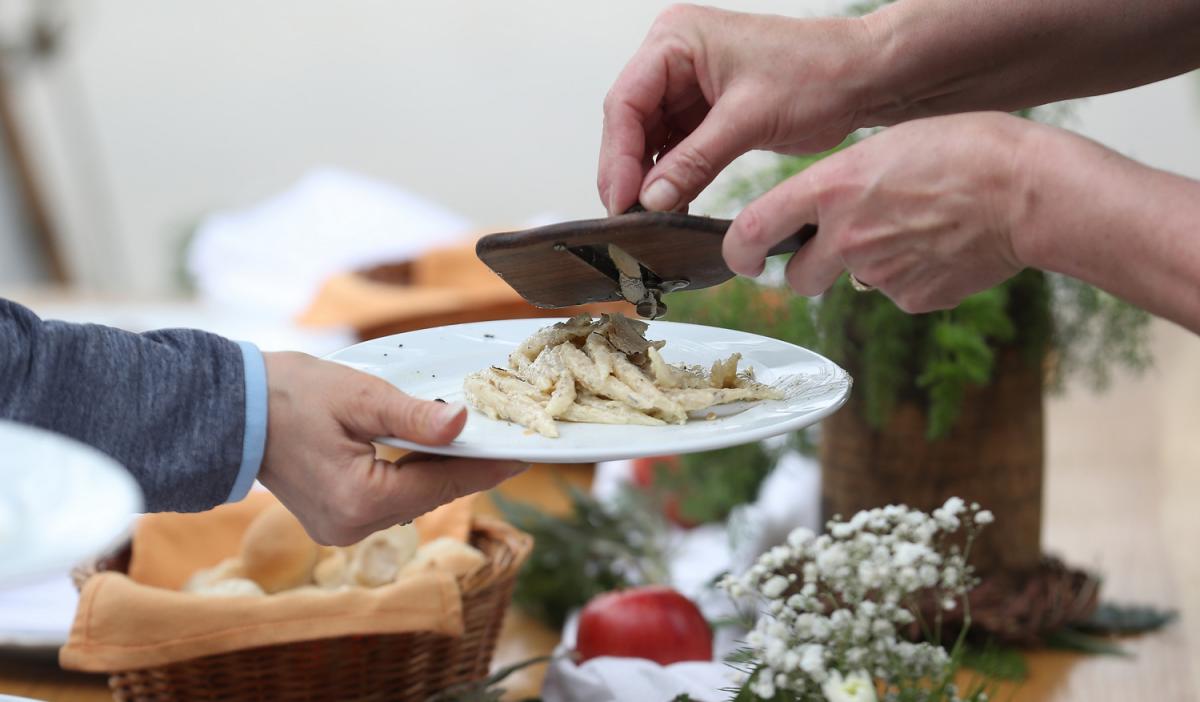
column 855, row 687
column 834, row 606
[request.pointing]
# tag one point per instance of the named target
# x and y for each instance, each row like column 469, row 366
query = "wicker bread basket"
column 406, row 667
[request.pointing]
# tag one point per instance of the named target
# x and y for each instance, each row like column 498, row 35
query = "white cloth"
column 625, row 679
column 275, row 255
column 38, row 614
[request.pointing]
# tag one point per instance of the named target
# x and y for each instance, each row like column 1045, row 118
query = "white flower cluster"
column 834, row 604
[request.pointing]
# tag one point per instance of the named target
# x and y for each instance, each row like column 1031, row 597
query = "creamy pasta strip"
column 603, row 371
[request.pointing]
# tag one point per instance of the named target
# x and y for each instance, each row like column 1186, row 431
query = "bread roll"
column 229, row 568
column 276, row 551
column 231, row 587
column 309, row 589
column 448, row 555
column 377, row 559
column 331, row 571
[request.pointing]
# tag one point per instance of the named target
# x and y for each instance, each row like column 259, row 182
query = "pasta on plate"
column 604, row 371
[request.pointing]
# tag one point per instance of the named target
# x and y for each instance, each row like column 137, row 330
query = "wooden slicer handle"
column 793, row 243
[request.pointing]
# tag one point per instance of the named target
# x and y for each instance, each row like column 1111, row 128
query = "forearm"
column 935, row 57
column 1090, row 213
column 170, row 405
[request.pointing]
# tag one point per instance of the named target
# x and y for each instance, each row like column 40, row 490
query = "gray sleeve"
column 169, row 405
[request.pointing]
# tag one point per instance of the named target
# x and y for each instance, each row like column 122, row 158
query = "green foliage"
column 591, row 550
column 1123, row 620
column 709, row 485
column 894, row 337
column 1069, row 639
column 997, row 663
column 743, row 304
column 1095, row 331
column 1095, row 634
column 866, row 6
column 743, row 694
column 960, row 354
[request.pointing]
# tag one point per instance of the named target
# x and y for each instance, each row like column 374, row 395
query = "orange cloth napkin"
column 443, row 281
column 128, row 622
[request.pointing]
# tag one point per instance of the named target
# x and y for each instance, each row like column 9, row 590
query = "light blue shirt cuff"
column 254, row 438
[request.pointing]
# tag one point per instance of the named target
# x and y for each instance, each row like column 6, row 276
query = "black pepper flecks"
column 489, row 336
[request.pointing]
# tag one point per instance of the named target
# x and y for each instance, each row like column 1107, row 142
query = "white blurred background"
column 140, row 117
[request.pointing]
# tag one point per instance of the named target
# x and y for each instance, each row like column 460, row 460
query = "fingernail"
column 446, row 413
column 747, row 271
column 661, row 195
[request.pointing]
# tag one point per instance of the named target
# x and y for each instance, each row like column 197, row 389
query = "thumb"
column 681, row 173
column 379, row 409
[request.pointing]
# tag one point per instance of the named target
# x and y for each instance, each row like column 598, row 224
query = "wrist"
column 869, row 90
column 1069, row 187
column 885, row 99
column 279, row 367
column 1055, row 174
column 1094, row 215
column 1034, row 147
column 925, row 60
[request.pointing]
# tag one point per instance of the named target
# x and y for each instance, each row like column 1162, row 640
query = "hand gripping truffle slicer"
column 637, row 257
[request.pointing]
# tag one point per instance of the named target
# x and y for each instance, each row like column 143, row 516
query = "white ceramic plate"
column 60, row 502
column 431, row 363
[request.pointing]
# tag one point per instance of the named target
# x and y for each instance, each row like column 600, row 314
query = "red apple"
column 653, row 622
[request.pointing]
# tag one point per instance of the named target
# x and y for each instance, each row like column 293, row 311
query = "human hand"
column 923, row 211
column 320, row 463
column 708, row 85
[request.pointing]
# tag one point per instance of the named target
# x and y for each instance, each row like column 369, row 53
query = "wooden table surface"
column 1122, row 497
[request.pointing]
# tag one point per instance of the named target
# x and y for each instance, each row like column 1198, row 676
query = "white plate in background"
column 61, row 502
column 432, row 363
